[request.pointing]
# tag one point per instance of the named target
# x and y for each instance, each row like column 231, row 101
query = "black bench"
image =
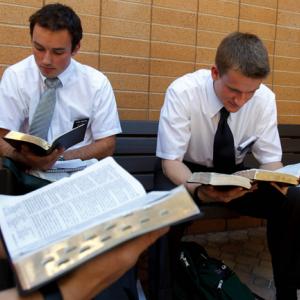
column 136, row 147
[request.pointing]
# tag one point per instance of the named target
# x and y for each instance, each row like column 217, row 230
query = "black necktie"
column 224, row 155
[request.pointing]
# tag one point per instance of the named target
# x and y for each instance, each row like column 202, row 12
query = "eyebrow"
column 236, row 90
column 39, row 45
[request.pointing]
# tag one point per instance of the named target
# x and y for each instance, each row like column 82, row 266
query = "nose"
column 241, row 98
column 47, row 59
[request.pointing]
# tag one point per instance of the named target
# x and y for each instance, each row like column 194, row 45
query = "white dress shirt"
column 85, row 93
column 190, row 115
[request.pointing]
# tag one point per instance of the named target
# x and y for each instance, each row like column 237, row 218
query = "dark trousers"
column 283, row 229
column 282, row 213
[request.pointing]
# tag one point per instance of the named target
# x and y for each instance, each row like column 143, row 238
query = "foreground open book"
column 245, row 178
column 58, row 227
column 41, row 147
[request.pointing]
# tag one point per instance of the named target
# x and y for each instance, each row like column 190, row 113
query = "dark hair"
column 243, row 52
column 57, row 17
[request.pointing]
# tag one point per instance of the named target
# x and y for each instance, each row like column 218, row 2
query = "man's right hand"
column 209, row 193
column 35, row 162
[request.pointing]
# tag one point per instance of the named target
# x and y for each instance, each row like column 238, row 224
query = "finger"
column 25, row 149
column 143, row 242
column 56, row 152
column 282, row 190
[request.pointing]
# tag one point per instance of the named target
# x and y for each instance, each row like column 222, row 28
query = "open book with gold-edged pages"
column 54, row 229
column 245, row 178
column 40, row 146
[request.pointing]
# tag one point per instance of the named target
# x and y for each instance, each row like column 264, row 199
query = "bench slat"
column 147, row 180
column 138, row 164
column 290, row 145
column 289, row 130
column 139, row 127
column 291, row 158
column 133, row 145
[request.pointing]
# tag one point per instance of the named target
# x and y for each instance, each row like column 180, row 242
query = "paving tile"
column 264, row 272
column 245, row 277
column 265, row 255
column 232, row 248
column 247, row 260
column 266, row 263
column 262, row 282
column 238, row 235
column 213, row 251
column 227, row 256
column 258, row 232
column 245, row 252
column 243, row 267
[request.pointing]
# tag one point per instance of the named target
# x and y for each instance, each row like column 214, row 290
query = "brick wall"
column 143, row 45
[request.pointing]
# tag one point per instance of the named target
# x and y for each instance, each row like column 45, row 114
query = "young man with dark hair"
column 82, row 93
column 76, row 94
column 188, row 141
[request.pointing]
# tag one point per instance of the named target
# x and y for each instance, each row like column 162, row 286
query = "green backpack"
column 200, row 277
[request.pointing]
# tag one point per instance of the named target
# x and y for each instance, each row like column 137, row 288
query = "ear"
column 214, row 72
column 74, row 52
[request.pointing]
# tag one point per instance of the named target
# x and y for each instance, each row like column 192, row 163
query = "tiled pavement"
column 246, row 252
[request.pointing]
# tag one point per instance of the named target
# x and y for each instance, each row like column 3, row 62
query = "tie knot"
column 52, row 82
column 224, row 113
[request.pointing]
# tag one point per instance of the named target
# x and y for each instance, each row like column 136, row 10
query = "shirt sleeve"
column 105, row 115
column 174, row 130
column 14, row 110
column 267, row 149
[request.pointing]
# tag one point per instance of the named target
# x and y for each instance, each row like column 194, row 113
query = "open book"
column 58, row 227
column 41, row 147
column 63, row 168
column 245, row 178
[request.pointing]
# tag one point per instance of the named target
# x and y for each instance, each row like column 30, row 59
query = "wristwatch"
column 61, row 158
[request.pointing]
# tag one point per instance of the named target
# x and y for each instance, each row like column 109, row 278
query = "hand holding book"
column 225, row 194
column 42, row 147
column 226, row 187
column 36, row 153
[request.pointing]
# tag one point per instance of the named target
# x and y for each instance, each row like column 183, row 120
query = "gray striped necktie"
column 43, row 114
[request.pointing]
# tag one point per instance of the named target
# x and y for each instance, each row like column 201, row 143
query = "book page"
column 293, row 169
column 62, row 169
column 217, row 179
column 268, row 175
column 57, row 210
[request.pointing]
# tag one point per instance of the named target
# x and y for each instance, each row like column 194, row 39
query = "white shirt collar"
column 65, row 75
column 214, row 105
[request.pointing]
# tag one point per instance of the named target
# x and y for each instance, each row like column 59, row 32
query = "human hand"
column 36, row 162
column 102, row 271
column 281, row 187
column 210, row 193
